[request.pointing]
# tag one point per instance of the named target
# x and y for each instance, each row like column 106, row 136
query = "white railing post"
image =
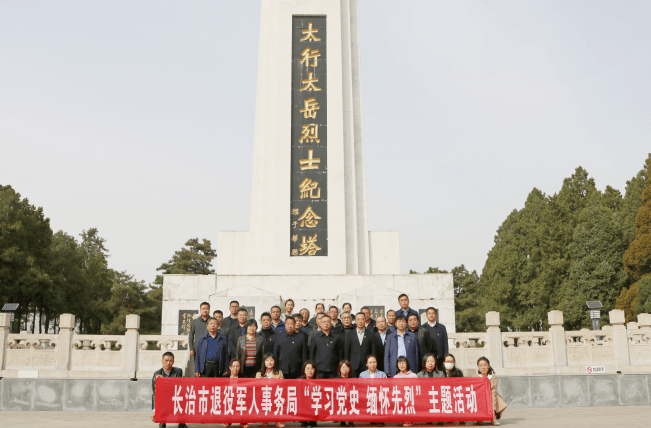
column 644, row 321
column 620, row 337
column 494, row 337
column 5, row 320
column 557, row 336
column 131, row 340
column 64, row 346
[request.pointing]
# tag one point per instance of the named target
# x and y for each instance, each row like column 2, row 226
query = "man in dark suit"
column 425, row 345
column 305, row 313
column 347, row 322
column 333, row 313
column 326, row 349
column 438, row 334
column 299, row 327
column 358, row 344
column 380, row 338
column 318, row 309
column 237, row 330
column 231, row 320
column 166, row 371
column 290, row 350
column 404, row 310
column 267, row 333
column 198, row 326
column 370, row 322
column 219, row 316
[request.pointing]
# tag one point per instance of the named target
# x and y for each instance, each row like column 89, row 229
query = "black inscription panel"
column 376, row 311
column 309, row 194
column 185, row 318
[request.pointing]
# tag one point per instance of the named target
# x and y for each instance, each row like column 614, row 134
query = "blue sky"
column 137, row 117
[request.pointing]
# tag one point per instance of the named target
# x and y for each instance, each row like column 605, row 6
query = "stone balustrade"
column 618, row 347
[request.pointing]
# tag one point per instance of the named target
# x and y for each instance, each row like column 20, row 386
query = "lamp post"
column 11, row 308
column 595, row 313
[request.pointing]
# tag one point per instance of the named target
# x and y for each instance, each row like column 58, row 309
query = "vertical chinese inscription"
column 185, row 319
column 309, row 194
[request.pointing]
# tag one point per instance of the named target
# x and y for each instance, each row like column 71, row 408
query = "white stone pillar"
column 5, row 319
column 557, row 336
column 644, row 320
column 620, row 337
column 494, row 339
column 64, row 346
column 131, row 339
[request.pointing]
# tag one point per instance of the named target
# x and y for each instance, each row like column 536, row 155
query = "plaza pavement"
column 594, row 417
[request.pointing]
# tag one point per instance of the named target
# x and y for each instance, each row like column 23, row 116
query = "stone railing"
column 71, row 355
column 619, row 348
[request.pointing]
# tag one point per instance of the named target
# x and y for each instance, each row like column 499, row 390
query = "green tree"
column 596, row 268
column 128, row 296
column 637, row 258
column 467, row 317
column 98, row 278
column 633, row 201
column 71, row 293
column 25, row 239
column 195, row 259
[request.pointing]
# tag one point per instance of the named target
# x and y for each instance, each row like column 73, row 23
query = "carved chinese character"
column 310, row 132
column 309, row 218
column 310, row 108
column 294, row 211
column 294, row 223
column 309, row 246
column 310, row 162
column 294, row 252
column 309, row 34
column 310, row 83
column 294, row 238
column 307, row 187
column 310, row 54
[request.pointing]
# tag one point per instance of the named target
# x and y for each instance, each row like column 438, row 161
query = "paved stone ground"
column 593, row 417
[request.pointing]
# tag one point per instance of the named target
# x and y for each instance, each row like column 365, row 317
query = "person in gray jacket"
column 198, row 327
column 166, row 371
column 430, row 367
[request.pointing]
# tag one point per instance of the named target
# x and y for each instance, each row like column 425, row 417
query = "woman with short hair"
column 249, row 350
column 372, row 372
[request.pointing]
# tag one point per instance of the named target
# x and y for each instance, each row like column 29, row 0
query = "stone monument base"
column 380, row 292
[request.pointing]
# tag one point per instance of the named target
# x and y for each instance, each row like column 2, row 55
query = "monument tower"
column 308, row 237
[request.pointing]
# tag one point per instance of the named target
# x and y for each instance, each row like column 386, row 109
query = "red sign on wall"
column 223, row 400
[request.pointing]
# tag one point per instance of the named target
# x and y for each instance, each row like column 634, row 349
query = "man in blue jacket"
column 404, row 310
column 401, row 343
column 211, row 359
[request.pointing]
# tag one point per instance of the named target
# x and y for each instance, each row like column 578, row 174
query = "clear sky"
column 137, row 117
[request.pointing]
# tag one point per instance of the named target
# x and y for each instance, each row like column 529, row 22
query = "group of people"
column 291, row 345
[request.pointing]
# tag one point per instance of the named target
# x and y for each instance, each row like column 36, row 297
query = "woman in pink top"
column 403, row 372
column 403, row 368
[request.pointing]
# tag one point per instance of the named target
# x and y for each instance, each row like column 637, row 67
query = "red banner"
column 223, row 400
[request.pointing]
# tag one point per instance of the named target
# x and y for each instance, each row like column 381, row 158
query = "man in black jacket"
column 326, row 349
column 359, row 344
column 380, row 340
column 425, row 345
column 438, row 334
column 290, row 350
column 166, row 371
column 231, row 320
column 267, row 333
column 370, row 322
column 318, row 309
column 237, row 330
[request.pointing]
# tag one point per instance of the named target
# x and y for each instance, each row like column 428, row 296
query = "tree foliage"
column 195, row 258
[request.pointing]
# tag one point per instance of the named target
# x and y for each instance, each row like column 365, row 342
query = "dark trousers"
column 249, row 371
column 211, row 370
column 287, row 375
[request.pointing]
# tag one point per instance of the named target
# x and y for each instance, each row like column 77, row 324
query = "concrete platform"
column 600, row 417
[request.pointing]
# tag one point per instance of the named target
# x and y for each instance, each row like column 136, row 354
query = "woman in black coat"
column 450, row 369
